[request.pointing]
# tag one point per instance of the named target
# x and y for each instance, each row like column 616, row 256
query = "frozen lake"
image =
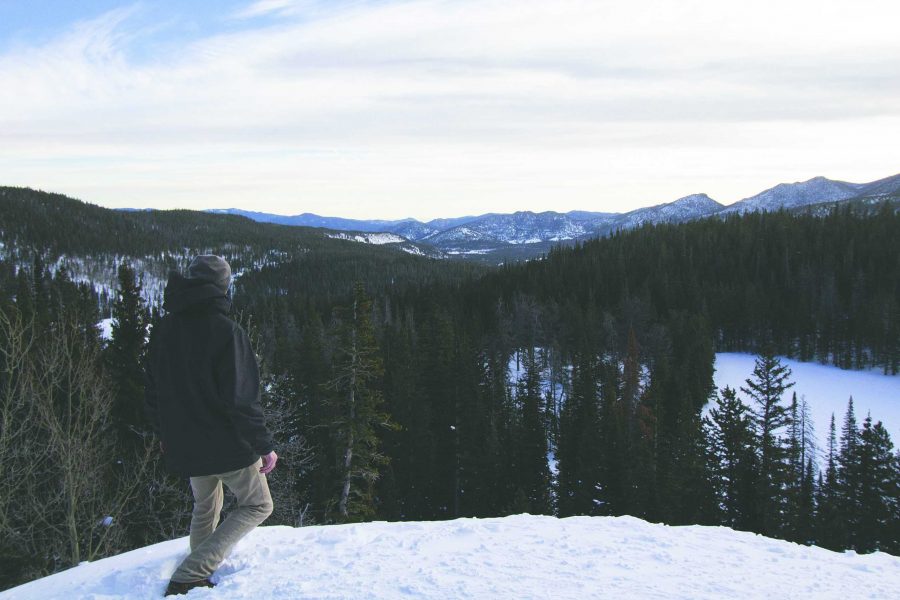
column 826, row 389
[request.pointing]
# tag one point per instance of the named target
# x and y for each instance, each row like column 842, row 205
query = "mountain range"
column 526, row 233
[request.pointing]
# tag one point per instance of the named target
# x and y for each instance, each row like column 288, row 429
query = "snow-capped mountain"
column 527, row 233
column 794, row 195
column 521, row 556
column 882, row 187
column 522, row 227
column 312, row 220
column 587, row 215
column 689, row 208
column 410, row 229
column 413, row 230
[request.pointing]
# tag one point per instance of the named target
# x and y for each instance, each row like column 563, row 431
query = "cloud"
column 401, row 107
column 263, row 7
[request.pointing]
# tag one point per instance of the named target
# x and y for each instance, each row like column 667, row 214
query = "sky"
column 441, row 108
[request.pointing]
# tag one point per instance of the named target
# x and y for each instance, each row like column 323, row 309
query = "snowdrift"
column 515, row 557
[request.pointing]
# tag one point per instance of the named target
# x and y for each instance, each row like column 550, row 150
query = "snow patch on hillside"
column 413, row 250
column 478, row 251
column 517, row 557
column 369, row 238
column 105, row 326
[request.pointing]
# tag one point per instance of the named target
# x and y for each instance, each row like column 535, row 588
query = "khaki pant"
column 210, row 544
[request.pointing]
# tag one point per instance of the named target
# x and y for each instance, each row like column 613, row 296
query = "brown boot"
column 176, row 588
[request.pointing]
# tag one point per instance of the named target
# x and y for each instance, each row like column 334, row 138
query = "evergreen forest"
column 401, row 387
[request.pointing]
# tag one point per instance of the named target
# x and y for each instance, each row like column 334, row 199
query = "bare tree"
column 20, row 452
column 59, row 503
column 73, row 402
column 295, row 457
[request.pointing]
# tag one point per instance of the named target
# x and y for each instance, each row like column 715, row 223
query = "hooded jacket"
column 202, row 394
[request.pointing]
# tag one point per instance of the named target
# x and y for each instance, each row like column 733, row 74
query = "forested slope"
column 602, row 355
column 90, row 242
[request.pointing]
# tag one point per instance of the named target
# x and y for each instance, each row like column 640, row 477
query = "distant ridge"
column 793, row 195
column 484, row 234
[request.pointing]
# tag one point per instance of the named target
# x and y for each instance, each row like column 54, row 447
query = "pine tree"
column 800, row 503
column 892, row 532
column 124, row 362
column 769, row 382
column 309, row 376
column 627, row 430
column 878, row 488
column 849, row 478
column 804, row 525
column 830, row 524
column 580, row 447
column 358, row 406
column 124, row 359
column 730, row 441
column 532, row 467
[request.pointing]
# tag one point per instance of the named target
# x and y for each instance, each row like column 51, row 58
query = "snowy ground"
column 516, row 557
column 826, row 390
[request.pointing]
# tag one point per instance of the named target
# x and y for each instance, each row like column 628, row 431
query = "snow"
column 516, row 557
column 481, row 251
column 105, row 326
column 369, row 238
column 799, row 193
column 826, row 389
column 553, row 464
column 520, row 228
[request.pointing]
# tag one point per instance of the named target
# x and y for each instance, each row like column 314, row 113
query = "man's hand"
column 269, row 461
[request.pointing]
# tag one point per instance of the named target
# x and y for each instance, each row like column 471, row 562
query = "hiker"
column 202, row 399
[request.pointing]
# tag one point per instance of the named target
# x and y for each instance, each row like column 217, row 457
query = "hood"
column 184, row 293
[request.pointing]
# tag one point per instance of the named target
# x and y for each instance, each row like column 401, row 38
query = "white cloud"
column 432, row 108
column 263, row 7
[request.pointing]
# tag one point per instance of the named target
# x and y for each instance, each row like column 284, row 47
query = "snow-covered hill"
column 689, row 208
column 312, row 220
column 522, row 227
column 882, row 187
column 793, row 195
column 516, row 557
column 381, row 239
column 369, row 238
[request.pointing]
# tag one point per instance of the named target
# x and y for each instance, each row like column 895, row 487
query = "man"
column 202, row 398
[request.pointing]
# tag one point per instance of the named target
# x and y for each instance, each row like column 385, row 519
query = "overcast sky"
column 428, row 108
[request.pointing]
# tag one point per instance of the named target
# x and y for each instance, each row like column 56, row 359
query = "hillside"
column 90, row 242
column 514, row 557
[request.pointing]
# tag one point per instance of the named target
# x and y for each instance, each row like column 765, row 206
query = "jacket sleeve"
column 238, row 378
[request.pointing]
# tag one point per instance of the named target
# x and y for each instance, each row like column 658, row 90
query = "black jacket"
column 202, row 392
